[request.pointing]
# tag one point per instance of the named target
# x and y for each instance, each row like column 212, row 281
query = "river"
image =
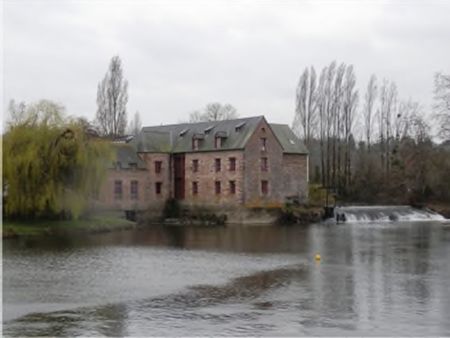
column 390, row 278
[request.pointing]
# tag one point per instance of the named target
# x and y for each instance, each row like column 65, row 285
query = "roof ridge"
column 203, row 122
column 279, row 124
column 155, row 131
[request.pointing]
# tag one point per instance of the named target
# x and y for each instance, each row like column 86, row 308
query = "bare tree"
column 350, row 104
column 401, row 165
column 322, row 103
column 112, row 98
column 135, row 125
column 391, row 104
column 196, row 116
column 331, row 73
column 44, row 111
column 17, row 113
column 406, row 110
column 388, row 102
column 442, row 102
column 337, row 125
column 381, row 124
column 214, row 112
column 420, row 131
column 370, row 97
column 305, row 120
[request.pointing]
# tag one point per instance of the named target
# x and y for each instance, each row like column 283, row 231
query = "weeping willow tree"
column 51, row 165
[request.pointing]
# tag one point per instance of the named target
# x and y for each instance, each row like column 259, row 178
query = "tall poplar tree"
column 112, row 98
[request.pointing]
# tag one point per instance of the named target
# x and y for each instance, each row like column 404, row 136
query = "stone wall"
column 164, row 177
column 206, row 176
column 254, row 175
column 295, row 176
column 107, row 198
column 284, row 176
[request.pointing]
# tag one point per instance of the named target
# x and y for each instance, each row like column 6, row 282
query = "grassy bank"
column 94, row 224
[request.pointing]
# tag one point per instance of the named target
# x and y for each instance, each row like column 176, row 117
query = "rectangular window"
column 118, row 190
column 134, row 192
column 232, row 163
column 263, row 144
column 194, row 144
column 218, row 142
column 264, row 187
column 132, row 166
column 217, row 186
column 158, row 167
column 232, row 187
column 264, row 165
column 158, row 188
column 194, row 166
column 217, row 164
column 194, row 188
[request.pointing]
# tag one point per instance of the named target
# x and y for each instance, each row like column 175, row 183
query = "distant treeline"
column 394, row 159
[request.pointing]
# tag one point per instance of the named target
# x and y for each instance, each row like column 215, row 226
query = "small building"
column 242, row 162
column 126, row 186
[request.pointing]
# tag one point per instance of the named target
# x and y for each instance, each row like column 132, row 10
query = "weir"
column 399, row 213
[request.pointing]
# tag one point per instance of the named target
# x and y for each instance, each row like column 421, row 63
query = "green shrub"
column 172, row 209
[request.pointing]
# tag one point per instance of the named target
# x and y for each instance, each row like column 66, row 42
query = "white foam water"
column 399, row 213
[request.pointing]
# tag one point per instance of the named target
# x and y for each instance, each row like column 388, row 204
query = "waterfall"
column 400, row 213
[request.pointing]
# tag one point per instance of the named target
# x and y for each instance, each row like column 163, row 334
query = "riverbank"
column 94, row 224
column 440, row 208
column 301, row 215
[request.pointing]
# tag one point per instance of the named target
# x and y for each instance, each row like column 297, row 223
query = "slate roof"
column 291, row 143
column 177, row 138
column 126, row 155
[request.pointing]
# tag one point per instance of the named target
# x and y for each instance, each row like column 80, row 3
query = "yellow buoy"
column 317, row 257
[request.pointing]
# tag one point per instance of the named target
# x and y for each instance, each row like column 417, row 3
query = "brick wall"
column 163, row 177
column 206, row 176
column 294, row 176
column 254, row 175
column 107, row 197
column 285, row 176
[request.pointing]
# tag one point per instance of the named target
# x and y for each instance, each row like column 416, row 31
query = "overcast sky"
column 180, row 55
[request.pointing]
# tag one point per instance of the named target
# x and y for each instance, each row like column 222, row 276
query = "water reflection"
column 112, row 319
column 109, row 320
column 373, row 279
column 235, row 239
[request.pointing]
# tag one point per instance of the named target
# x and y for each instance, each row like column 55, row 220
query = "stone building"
column 243, row 162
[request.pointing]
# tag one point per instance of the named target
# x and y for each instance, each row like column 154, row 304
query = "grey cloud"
column 178, row 56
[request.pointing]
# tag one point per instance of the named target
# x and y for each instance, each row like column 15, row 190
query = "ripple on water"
column 257, row 281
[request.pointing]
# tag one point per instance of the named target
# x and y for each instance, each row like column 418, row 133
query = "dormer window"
column 220, row 139
column 207, row 130
column 194, row 144
column 183, row 132
column 218, row 142
column 132, row 166
column 239, row 126
column 196, row 140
